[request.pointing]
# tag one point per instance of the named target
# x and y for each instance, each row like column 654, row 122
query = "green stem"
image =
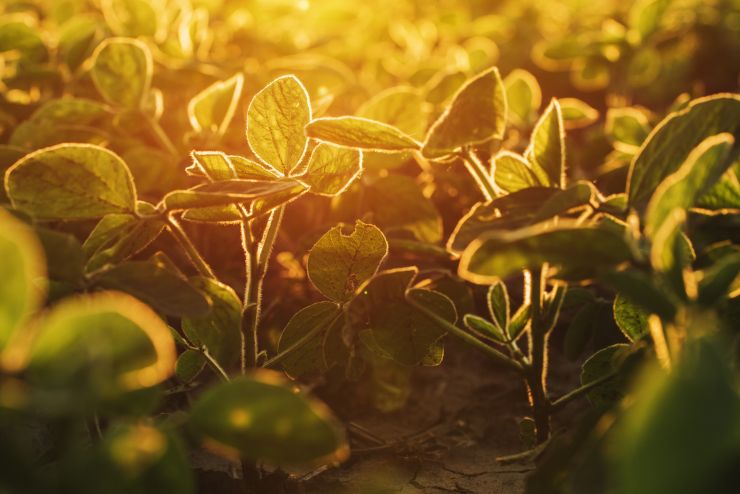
column 498, row 356
column 195, row 257
column 479, row 173
column 159, row 133
column 301, row 342
column 537, row 375
column 572, row 395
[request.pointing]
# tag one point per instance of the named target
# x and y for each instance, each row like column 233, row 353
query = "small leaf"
column 122, row 71
column 498, row 304
column 262, row 418
column 631, row 319
column 117, row 237
column 219, row 330
column 215, row 165
column 546, row 151
column 357, row 132
column 523, row 95
column 332, row 169
column 97, row 347
column 673, row 139
column 213, row 108
column 308, row 358
column 477, row 114
column 275, row 121
column 585, row 250
column 627, row 127
column 601, row 363
column 338, row 263
column 577, row 113
column 156, row 286
column 512, row 172
column 519, row 321
column 480, row 326
column 402, row 107
column 189, row 365
column 71, row 181
column 233, row 192
column 22, row 269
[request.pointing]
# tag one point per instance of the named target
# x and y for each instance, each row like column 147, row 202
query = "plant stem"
column 159, row 133
column 195, row 257
column 537, row 375
column 214, row 363
column 479, row 173
column 498, row 356
column 580, row 390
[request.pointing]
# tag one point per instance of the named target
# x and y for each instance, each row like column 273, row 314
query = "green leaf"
column 397, row 202
column 338, row 264
column 117, row 237
column 399, row 329
column 64, row 255
column 248, row 169
column 627, row 127
column 22, row 269
column 77, row 37
column 480, row 326
column 498, row 304
column 213, row 108
column 226, row 192
column 577, row 195
column 476, row 115
column 20, row 36
column 309, row 357
column 219, row 329
column 642, row 290
column 189, row 365
column 672, row 140
column 132, row 17
column 519, row 321
column 601, row 363
column 581, row 249
column 275, row 121
column 703, row 167
column 546, row 151
column 332, row 169
column 512, row 172
column 725, row 194
column 631, row 319
column 122, row 71
column 98, row 347
column 645, row 16
column 156, row 286
column 71, row 181
column 263, row 419
column 719, row 279
column 362, row 133
column 213, row 164
column 523, row 95
column 577, row 113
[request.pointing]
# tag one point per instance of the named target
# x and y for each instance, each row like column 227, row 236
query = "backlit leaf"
column 332, row 169
column 498, row 304
column 362, row 133
column 631, row 319
column 511, row 172
column 319, row 318
column 577, row 113
column 233, row 192
column 546, row 151
column 122, row 71
column 600, row 364
column 523, row 95
column 213, row 108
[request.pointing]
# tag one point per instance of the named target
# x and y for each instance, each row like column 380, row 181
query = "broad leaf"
column 157, row 286
column 260, row 417
column 671, row 141
column 122, row 71
column 512, row 172
column 213, row 108
column 546, row 151
column 316, row 319
column 580, row 250
column 275, row 121
column 523, row 95
column 71, row 181
column 332, row 169
column 577, row 113
column 233, row 192
column 357, row 132
column 477, row 114
column 627, row 127
column 117, row 237
column 604, row 362
column 338, row 264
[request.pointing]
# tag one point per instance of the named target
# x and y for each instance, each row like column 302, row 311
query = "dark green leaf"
column 320, row 318
column 604, row 362
column 631, row 319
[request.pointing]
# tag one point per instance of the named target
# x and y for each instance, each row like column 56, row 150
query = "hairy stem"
column 537, row 375
column 191, row 251
column 479, row 173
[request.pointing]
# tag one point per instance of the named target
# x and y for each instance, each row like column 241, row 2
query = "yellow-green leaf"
column 357, row 132
column 332, row 169
column 523, row 95
column 512, row 172
column 122, row 71
column 546, row 151
column 577, row 113
column 213, row 108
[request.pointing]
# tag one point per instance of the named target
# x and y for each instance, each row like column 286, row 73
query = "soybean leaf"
column 156, row 286
column 189, row 365
column 77, row 37
column 577, row 113
column 583, row 250
column 725, row 194
column 627, row 127
column 519, row 321
column 523, row 95
column 332, row 169
column 399, row 329
column 703, row 167
column 262, row 418
column 631, row 319
column 219, row 329
column 646, row 16
column 719, row 279
column 122, row 71
column 482, row 327
column 604, row 362
column 213, row 108
column 673, row 139
column 477, row 114
column 362, row 133
column 512, row 172
column 132, row 17
column 546, row 151
column 249, row 169
column 318, row 318
column 444, row 85
column 22, row 269
column 118, row 237
column 580, row 330
column 643, row 291
column 233, row 192
column 275, row 121
column 579, row 194
column 338, row 264
column 17, row 35
column 397, row 202
column 498, row 304
column 213, row 164
column 97, row 347
column 71, row 181
column 64, row 255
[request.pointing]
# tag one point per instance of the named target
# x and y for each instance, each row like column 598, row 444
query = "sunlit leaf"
column 260, row 417
column 523, row 95
column 362, row 133
column 71, row 181
column 318, row 318
column 512, row 172
column 189, row 365
column 122, row 71
column 213, row 108
column 477, row 114
column 483, row 327
column 338, row 264
column 332, row 169
column 627, row 127
column 602, row 363
column 577, row 113
column 232, row 192
column 546, row 151
column 275, row 121
column 631, row 319
column 498, row 304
